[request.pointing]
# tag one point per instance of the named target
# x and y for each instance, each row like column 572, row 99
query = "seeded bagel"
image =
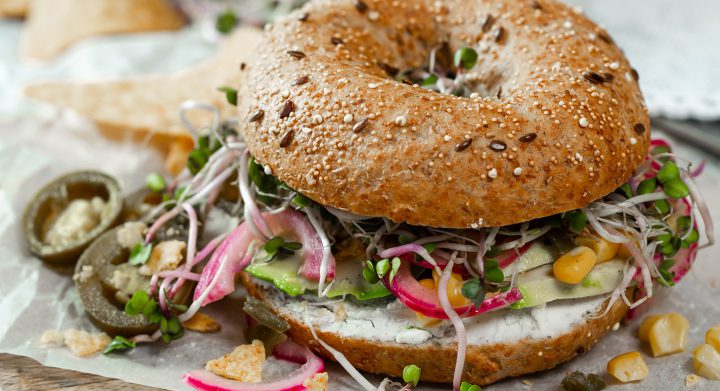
column 485, row 362
column 561, row 120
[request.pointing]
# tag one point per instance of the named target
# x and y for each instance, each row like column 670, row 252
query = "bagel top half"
column 562, row 122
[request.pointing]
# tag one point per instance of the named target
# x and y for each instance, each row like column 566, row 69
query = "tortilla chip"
column 150, row 104
column 14, row 8
column 53, row 25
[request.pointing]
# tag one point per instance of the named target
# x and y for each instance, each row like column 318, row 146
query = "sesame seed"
column 306, row 130
column 578, row 156
column 317, row 119
column 492, row 174
column 633, row 140
column 447, row 138
column 348, row 118
column 267, row 170
column 400, row 120
column 615, row 66
column 584, row 122
column 567, row 24
column 373, row 15
column 285, row 93
column 517, row 171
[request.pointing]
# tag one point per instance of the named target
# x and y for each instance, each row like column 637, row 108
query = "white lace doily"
column 674, row 45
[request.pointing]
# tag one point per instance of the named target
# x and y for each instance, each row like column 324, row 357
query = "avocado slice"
column 348, row 278
column 539, row 286
column 537, row 255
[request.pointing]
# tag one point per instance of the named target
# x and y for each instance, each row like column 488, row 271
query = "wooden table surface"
column 22, row 373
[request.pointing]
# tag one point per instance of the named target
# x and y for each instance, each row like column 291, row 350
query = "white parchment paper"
column 38, row 144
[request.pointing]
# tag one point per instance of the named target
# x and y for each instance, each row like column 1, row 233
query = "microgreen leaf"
column 429, row 247
column 492, row 252
column 576, row 220
column 230, row 94
column 692, row 238
column 118, row 343
column 301, row 201
column 473, row 290
column 140, row 253
column 370, row 275
column 676, row 188
column 273, row 245
column 493, row 272
column 465, row 58
column 625, row 190
column 155, row 182
column 403, row 239
column 226, row 21
column 465, row 386
column 292, row 246
column 430, row 80
column 662, row 206
column 395, row 266
column 411, row 374
column 137, row 303
column 382, row 267
column 668, row 172
column 684, row 222
column 647, row 186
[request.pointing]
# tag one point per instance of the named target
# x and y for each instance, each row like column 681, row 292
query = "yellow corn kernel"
column 454, row 289
column 668, row 334
column 712, row 337
column 644, row 332
column 604, row 250
column 575, row 265
column 426, row 321
column 707, row 362
column 628, row 367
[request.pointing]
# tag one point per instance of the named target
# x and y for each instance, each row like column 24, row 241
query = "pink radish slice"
column 289, row 224
column 311, row 364
column 425, row 300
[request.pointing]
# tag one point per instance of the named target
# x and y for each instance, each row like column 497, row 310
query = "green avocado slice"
column 348, row 278
column 537, row 255
column 539, row 286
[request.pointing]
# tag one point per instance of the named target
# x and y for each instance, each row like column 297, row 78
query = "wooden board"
column 22, row 373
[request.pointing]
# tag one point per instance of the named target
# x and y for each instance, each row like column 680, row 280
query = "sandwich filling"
column 645, row 232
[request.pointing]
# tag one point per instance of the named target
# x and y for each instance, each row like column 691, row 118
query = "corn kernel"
column 454, row 289
column 426, row 321
column 575, row 265
column 628, row 367
column 644, row 332
column 668, row 334
column 707, row 362
column 712, row 337
column 604, row 250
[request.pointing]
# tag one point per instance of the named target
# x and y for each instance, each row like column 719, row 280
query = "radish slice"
column 311, row 364
column 425, row 300
column 288, row 224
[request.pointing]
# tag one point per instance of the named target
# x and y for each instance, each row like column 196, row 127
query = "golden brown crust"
column 537, row 56
column 484, row 364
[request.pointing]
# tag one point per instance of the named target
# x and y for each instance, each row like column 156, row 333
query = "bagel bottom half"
column 487, row 361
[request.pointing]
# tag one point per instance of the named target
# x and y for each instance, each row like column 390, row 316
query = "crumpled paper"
column 37, row 145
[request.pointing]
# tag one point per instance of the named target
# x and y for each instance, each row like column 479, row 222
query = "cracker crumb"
column 317, row 383
column 83, row 344
column 243, row 364
column 131, row 234
column 165, row 255
column 691, row 380
column 52, row 339
column 202, row 323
